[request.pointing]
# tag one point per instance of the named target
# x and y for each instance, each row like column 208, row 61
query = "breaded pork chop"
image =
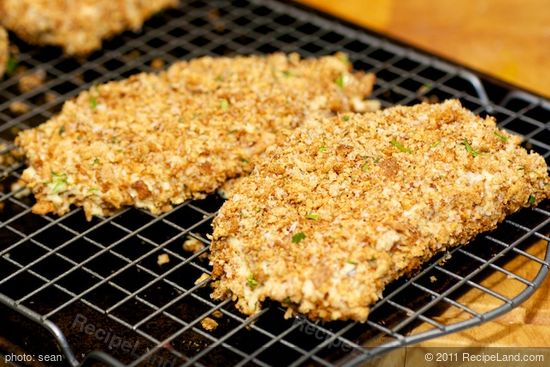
column 351, row 203
column 78, row 26
column 153, row 141
column 4, row 51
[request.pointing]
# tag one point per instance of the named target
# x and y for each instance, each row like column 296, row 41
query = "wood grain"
column 507, row 39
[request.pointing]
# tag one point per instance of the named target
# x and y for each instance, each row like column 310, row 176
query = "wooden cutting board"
column 527, row 325
column 510, row 40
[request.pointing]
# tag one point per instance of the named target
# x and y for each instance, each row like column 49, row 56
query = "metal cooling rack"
column 94, row 291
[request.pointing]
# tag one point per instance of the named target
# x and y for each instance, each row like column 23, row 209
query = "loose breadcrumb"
column 209, row 324
column 157, row 63
column 193, row 245
column 163, row 259
column 445, row 258
column 49, row 97
column 8, row 156
column 20, row 191
column 380, row 209
column 156, row 140
column 30, row 81
column 18, row 107
column 217, row 314
column 202, row 278
column 79, row 26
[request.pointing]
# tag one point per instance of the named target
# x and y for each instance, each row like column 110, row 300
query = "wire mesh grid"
column 97, row 288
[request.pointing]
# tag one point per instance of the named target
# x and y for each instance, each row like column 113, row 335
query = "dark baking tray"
column 94, row 292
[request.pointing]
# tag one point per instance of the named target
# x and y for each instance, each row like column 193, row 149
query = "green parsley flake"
column 58, row 182
column 352, row 262
column 469, row 148
column 298, row 237
column 251, row 282
column 287, row 73
column 424, row 88
column 244, row 160
column 219, row 78
column 365, row 167
column 501, row 137
column 343, row 58
column 312, row 216
column 93, row 102
column 340, row 81
column 400, row 146
column 323, row 149
column 224, row 104
column 93, row 190
column 96, row 161
column 531, row 200
column 11, row 65
column 61, row 130
column 435, row 144
column 345, row 118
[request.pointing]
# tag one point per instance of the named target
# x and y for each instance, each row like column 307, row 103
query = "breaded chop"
column 153, row 141
column 351, row 203
column 78, row 26
column 4, row 51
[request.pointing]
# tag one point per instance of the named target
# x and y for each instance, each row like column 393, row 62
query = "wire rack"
column 95, row 288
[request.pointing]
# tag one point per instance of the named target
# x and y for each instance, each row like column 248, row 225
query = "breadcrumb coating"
column 156, row 140
column 4, row 51
column 78, row 26
column 350, row 203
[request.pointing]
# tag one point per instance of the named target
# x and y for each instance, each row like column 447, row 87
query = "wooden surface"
column 510, row 40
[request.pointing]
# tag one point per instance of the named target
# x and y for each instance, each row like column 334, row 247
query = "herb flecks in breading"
column 436, row 144
column 11, row 65
column 400, row 146
column 313, row 216
column 469, row 148
column 77, row 26
column 374, row 229
column 298, row 237
column 341, row 81
column 163, row 138
column 58, row 182
column 251, row 281
column 501, row 136
column 224, row 104
column 93, row 102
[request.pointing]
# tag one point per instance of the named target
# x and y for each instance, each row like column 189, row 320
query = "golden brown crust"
column 78, row 26
column 4, row 51
column 154, row 141
column 351, row 203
